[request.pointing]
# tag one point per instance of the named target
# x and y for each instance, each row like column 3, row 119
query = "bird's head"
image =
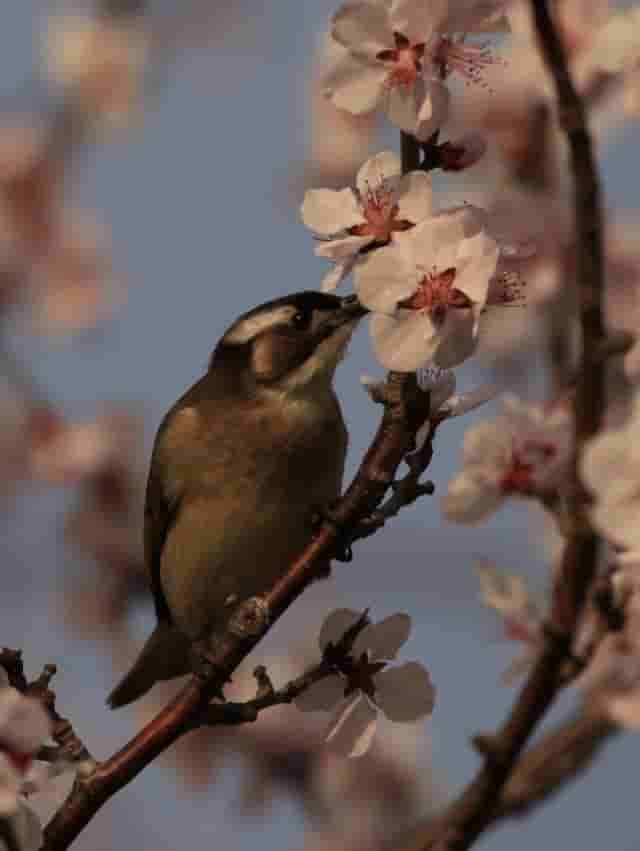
column 290, row 344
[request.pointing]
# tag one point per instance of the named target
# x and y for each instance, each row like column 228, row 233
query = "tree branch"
column 558, row 758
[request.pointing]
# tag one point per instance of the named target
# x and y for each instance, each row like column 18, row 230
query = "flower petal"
column 458, row 338
column 457, row 405
column 330, row 211
column 471, row 497
column 355, row 86
column 403, row 104
column 432, row 111
column 385, row 276
column 383, row 168
column 335, row 625
column 24, row 724
column 352, row 730
column 363, row 28
column 322, row 696
column 342, row 248
column 382, row 640
column 336, row 276
column 415, row 197
column 405, row 693
column 404, row 342
column 417, row 20
column 479, row 254
column 434, row 237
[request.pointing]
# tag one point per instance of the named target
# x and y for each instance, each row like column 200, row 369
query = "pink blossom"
column 363, row 686
column 427, row 290
column 384, row 203
column 522, row 452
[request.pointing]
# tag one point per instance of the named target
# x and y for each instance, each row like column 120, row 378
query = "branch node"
column 251, row 618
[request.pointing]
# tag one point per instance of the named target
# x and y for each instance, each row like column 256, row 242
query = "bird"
column 240, row 465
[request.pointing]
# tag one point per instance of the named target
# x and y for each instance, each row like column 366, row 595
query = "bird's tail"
column 164, row 656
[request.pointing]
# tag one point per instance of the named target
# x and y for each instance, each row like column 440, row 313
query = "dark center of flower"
column 360, row 673
column 436, row 294
column 381, row 214
column 405, row 61
column 520, row 476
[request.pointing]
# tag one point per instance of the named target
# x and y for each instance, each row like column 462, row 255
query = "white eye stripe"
column 246, row 329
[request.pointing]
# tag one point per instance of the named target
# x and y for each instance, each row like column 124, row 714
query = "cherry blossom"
column 383, row 65
column 522, row 452
column 67, row 452
column 610, row 468
column 397, row 53
column 611, row 682
column 427, row 290
column 507, row 595
column 100, row 61
column 363, row 686
column 384, row 203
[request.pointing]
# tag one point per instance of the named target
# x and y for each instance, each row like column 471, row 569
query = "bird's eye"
column 301, row 320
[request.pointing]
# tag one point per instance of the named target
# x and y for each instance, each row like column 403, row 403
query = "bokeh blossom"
column 507, row 595
column 610, row 468
column 427, row 290
column 99, row 61
column 524, row 452
column 24, row 726
column 384, row 203
column 363, row 686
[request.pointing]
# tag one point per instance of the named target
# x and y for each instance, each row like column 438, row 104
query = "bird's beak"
column 348, row 311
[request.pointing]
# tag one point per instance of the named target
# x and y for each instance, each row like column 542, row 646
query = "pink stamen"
column 436, row 294
column 405, row 61
column 469, row 60
column 381, row 214
column 520, row 476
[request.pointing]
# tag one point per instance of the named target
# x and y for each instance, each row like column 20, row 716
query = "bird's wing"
column 163, row 498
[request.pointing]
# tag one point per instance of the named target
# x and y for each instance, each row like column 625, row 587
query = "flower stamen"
column 436, row 294
column 405, row 60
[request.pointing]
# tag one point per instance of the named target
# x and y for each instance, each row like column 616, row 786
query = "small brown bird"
column 240, row 464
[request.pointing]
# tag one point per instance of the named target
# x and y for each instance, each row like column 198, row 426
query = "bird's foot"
column 206, row 669
column 327, row 514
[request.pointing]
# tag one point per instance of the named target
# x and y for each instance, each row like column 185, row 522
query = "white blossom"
column 364, row 686
column 523, row 451
column 99, row 60
column 397, row 53
column 610, row 468
column 383, row 65
column 383, row 203
column 24, row 726
column 427, row 290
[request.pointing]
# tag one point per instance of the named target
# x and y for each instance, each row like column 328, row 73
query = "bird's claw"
column 326, row 514
column 205, row 669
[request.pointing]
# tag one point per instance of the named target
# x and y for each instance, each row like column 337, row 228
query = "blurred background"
column 154, row 210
